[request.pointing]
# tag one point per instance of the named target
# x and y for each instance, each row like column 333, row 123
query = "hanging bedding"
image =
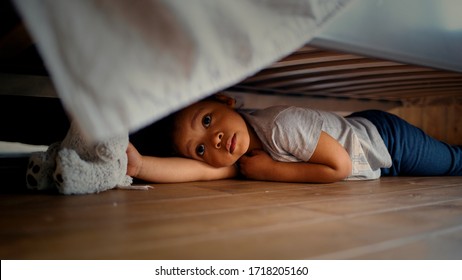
column 120, row 65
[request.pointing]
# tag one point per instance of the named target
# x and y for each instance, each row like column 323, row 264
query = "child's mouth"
column 231, row 145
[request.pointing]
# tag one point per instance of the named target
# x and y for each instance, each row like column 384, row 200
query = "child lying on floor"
column 293, row 144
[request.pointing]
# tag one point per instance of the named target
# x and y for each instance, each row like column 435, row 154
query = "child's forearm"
column 304, row 172
column 174, row 170
column 260, row 166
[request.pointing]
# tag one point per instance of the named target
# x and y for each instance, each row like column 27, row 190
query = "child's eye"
column 200, row 150
column 206, row 121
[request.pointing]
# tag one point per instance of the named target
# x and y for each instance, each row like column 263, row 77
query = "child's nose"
column 217, row 139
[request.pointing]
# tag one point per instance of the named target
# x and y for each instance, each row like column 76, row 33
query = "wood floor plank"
column 318, row 240
column 375, row 203
column 443, row 245
column 414, row 227
column 237, row 219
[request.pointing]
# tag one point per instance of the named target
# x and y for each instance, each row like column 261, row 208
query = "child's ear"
column 222, row 98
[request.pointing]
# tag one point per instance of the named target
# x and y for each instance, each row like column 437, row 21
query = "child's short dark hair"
column 157, row 138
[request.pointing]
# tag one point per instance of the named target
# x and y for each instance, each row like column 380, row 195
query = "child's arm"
column 173, row 169
column 330, row 162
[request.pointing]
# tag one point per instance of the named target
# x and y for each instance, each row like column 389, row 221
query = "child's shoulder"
column 281, row 114
column 270, row 113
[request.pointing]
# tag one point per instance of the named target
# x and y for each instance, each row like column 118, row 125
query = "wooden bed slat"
column 311, row 71
column 300, row 79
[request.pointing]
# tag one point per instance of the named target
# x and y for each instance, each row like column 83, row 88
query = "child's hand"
column 135, row 161
column 257, row 165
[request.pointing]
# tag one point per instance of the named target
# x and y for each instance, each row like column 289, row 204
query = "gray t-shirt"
column 291, row 134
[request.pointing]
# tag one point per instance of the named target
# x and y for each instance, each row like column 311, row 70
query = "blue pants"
column 413, row 152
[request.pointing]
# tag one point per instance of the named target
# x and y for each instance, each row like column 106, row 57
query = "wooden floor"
column 390, row 218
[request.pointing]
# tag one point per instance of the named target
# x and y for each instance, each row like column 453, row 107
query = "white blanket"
column 119, row 65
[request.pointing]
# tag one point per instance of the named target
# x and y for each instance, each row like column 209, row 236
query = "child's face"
column 211, row 132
